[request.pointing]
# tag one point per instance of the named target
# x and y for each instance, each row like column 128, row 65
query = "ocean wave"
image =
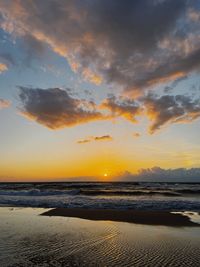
column 188, row 191
column 166, row 196
column 102, row 203
column 99, row 192
column 37, row 192
column 128, row 193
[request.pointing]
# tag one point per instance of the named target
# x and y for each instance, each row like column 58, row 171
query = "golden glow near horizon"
column 67, row 160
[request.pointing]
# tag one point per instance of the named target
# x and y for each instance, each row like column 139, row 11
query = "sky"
column 97, row 88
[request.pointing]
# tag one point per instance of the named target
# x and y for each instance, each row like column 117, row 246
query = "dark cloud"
column 167, row 109
column 95, row 138
column 4, row 103
column 178, row 68
column 33, row 49
column 133, row 44
column 181, row 174
column 157, row 174
column 122, row 107
column 55, row 109
column 161, row 110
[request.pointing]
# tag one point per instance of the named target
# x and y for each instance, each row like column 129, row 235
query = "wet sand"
column 132, row 216
column 28, row 239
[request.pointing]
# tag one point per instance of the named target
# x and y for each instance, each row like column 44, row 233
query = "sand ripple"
column 43, row 241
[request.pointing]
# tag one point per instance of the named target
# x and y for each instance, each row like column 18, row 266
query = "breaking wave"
column 146, row 196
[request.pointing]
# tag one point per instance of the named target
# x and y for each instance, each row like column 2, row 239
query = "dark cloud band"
column 56, row 108
column 132, row 44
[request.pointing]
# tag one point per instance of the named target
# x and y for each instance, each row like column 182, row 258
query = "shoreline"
column 162, row 218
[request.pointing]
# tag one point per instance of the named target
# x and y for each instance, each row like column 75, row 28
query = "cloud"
column 7, row 59
column 122, row 107
column 4, row 103
column 132, row 44
column 157, row 174
column 181, row 174
column 3, row 67
column 173, row 85
column 55, row 108
column 161, row 110
column 84, row 141
column 33, row 49
column 168, row 109
column 102, row 138
column 95, row 138
column 194, row 15
column 136, row 134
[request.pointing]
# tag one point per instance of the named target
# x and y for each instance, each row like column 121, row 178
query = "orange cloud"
column 122, row 107
column 169, row 77
column 91, row 76
column 4, row 103
column 3, row 67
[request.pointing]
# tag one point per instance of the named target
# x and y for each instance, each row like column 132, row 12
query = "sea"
column 103, row 195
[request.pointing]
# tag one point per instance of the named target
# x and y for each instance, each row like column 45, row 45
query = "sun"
column 105, row 175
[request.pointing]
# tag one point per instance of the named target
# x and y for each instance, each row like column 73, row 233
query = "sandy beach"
column 29, row 239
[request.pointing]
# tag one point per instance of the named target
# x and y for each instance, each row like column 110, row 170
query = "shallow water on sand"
column 27, row 239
